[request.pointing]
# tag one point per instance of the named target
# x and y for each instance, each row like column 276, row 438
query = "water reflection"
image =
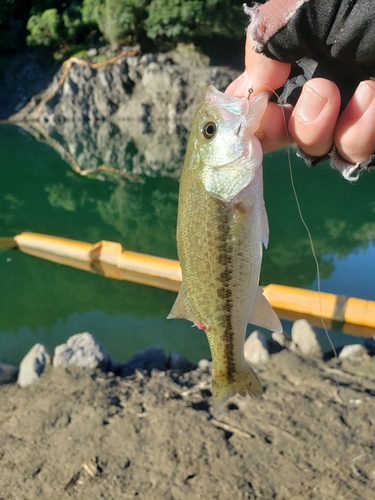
column 127, row 148
column 39, row 192
column 340, row 216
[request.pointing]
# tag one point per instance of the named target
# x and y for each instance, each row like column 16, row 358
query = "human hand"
column 315, row 123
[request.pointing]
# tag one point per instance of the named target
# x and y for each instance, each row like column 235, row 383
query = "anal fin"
column 182, row 308
column 263, row 315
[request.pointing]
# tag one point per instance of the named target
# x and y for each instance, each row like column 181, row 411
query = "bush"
column 53, row 28
column 45, row 29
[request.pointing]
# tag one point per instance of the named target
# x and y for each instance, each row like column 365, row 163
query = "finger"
column 355, row 131
column 313, row 121
column 272, row 131
column 261, row 73
column 239, row 87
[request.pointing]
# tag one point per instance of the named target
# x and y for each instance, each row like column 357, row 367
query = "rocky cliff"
column 124, row 113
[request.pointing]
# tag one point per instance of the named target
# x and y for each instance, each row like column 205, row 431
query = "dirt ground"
column 87, row 435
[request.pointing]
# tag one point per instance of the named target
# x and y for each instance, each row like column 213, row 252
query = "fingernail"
column 364, row 96
column 310, row 105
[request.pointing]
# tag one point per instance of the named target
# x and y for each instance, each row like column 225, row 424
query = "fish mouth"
column 235, row 105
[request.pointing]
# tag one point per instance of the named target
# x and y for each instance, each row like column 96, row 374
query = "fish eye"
column 209, row 130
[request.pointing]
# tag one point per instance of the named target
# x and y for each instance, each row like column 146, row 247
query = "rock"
column 282, row 339
column 256, row 349
column 305, row 338
column 84, row 351
column 354, row 352
column 132, row 116
column 33, row 364
column 161, row 83
column 92, row 52
column 149, row 359
column 370, row 345
column 8, row 374
column 204, row 365
column 179, row 363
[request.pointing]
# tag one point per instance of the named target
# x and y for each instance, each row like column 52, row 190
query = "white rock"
column 204, row 365
column 84, row 351
column 256, row 349
column 354, row 352
column 305, row 338
column 33, row 364
column 92, row 52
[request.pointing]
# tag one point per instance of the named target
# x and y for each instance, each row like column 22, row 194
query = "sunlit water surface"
column 45, row 302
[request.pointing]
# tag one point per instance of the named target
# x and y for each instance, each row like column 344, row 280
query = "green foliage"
column 92, row 11
column 58, row 24
column 56, row 27
column 45, row 29
column 73, row 25
column 117, row 20
column 185, row 21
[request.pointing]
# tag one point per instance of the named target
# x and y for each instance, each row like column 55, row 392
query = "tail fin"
column 244, row 382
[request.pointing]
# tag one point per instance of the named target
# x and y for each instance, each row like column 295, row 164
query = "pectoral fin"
column 263, row 315
column 182, row 308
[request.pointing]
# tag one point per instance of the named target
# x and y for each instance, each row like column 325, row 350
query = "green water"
column 45, row 302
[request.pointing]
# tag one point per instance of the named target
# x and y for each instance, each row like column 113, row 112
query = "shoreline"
column 83, row 433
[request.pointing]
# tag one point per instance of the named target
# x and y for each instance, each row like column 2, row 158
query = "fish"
column 221, row 226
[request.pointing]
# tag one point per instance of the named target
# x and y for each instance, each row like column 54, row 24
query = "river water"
column 42, row 189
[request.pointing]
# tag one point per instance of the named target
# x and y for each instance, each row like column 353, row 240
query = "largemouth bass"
column 221, row 225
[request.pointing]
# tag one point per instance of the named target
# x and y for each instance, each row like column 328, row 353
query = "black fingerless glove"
column 333, row 39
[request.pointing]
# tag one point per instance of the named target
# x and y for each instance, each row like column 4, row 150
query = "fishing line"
column 318, row 275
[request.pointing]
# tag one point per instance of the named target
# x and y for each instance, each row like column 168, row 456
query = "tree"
column 118, row 20
column 186, row 21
